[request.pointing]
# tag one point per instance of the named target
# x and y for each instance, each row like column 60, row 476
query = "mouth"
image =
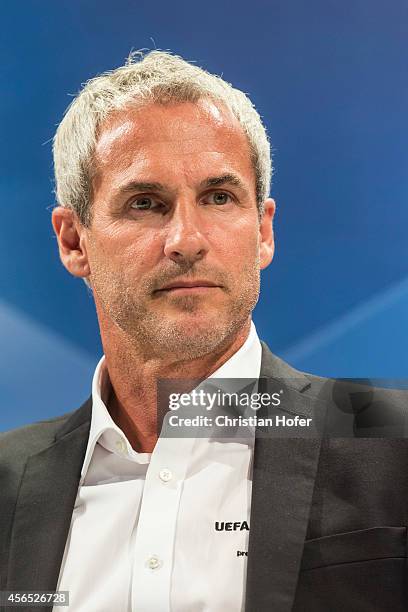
column 188, row 287
column 197, row 289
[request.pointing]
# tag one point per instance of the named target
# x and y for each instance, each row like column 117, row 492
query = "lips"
column 191, row 284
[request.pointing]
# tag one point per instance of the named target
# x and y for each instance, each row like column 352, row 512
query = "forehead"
column 184, row 138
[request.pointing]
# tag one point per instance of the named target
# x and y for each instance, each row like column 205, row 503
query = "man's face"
column 175, row 246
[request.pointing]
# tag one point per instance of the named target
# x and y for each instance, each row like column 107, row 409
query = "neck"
column 132, row 402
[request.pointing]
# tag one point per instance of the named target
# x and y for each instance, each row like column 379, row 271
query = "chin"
column 202, row 320
column 193, row 325
column 192, row 336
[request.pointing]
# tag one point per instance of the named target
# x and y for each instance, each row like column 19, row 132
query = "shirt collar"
column 245, row 363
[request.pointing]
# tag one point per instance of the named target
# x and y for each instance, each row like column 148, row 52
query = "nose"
column 185, row 241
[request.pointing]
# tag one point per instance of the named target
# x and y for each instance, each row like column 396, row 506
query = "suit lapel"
column 44, row 506
column 283, row 482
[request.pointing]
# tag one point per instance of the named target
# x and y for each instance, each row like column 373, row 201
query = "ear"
column 267, row 243
column 71, row 236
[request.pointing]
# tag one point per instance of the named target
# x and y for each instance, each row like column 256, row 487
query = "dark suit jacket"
column 329, row 514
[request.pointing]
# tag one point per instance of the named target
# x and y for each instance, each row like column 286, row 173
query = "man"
column 162, row 175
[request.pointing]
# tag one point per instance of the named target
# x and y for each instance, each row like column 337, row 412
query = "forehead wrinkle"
column 127, row 123
column 126, row 140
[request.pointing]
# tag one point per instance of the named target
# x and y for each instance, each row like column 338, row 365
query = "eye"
column 145, row 203
column 219, row 198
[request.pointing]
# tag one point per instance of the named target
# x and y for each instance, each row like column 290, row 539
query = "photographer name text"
column 252, row 421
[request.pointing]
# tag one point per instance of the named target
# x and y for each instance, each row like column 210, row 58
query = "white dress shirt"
column 142, row 535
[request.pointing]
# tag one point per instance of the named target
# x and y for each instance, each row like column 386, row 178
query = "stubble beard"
column 186, row 336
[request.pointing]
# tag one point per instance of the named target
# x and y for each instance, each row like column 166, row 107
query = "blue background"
column 329, row 78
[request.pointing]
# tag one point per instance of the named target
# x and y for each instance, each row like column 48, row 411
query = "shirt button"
column 165, row 475
column 153, row 562
column 121, row 446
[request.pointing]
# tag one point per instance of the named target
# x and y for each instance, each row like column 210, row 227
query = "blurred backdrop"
column 329, row 78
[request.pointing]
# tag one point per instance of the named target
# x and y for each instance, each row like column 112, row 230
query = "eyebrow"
column 142, row 186
column 224, row 179
column 212, row 181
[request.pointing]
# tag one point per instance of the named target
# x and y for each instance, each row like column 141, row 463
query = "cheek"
column 125, row 249
column 241, row 244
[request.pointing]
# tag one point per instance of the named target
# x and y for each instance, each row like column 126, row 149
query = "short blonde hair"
column 157, row 77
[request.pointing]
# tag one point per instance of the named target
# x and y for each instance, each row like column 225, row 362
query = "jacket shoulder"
column 353, row 407
column 18, row 444
column 26, row 440
column 276, row 368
